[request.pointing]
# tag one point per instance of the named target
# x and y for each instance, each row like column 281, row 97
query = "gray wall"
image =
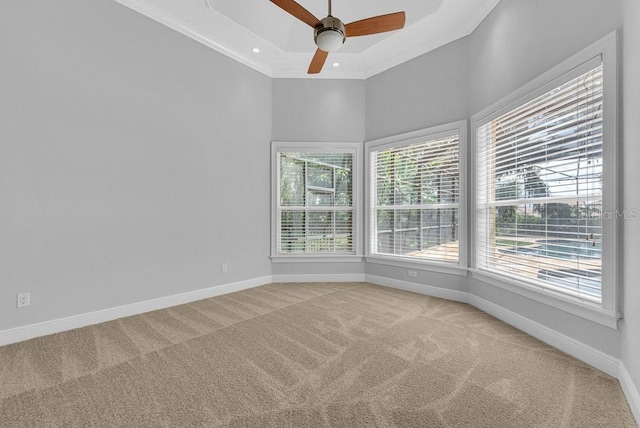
column 424, row 277
column 429, row 90
column 318, row 110
column 521, row 39
column 133, row 161
column 631, row 197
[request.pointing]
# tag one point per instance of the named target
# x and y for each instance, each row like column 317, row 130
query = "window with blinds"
column 415, row 199
column 540, row 189
column 315, row 212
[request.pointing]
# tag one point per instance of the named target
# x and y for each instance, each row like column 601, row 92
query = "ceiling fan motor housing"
column 329, row 36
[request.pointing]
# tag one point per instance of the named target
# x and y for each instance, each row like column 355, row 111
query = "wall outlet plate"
column 24, row 299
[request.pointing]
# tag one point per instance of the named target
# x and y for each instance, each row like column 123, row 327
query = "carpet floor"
column 298, row 355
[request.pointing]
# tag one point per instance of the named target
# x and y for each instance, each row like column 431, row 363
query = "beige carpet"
column 297, row 355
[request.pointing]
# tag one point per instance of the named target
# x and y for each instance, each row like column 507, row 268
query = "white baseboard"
column 630, row 391
column 581, row 351
column 321, row 277
column 19, row 334
column 429, row 290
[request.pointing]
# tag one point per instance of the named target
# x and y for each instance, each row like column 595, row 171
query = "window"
column 415, row 193
column 545, row 185
column 316, row 194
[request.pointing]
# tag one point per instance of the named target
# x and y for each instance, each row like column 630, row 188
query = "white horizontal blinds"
column 316, row 203
column 540, row 181
column 416, row 190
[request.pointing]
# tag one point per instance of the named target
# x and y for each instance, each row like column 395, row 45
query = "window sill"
column 315, row 258
column 448, row 268
column 574, row 306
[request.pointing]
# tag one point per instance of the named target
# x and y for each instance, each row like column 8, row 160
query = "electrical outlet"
column 223, row 268
column 24, row 299
column 412, row 273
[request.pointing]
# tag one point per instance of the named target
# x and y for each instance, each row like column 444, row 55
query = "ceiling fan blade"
column 298, row 11
column 317, row 62
column 376, row 24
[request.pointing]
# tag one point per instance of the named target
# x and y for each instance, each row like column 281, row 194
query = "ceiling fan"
column 330, row 33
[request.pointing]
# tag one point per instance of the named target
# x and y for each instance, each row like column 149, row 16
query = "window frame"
column 406, row 139
column 278, row 147
column 606, row 313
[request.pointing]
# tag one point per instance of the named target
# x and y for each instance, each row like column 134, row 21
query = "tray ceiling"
column 236, row 27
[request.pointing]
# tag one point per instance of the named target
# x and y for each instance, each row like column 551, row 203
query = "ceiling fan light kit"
column 330, row 33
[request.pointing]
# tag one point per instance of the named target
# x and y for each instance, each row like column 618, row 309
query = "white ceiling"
column 235, row 27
